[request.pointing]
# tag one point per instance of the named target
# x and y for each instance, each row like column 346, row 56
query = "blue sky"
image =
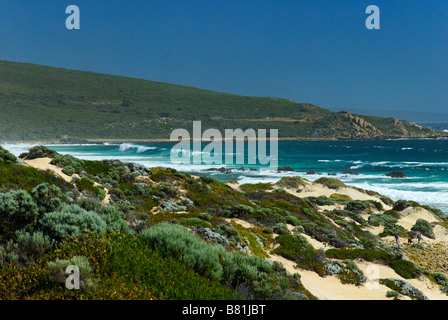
column 307, row 51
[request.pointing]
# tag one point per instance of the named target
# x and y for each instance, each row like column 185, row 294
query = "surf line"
column 212, row 154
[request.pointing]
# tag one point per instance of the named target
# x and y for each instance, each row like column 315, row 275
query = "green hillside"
column 40, row 102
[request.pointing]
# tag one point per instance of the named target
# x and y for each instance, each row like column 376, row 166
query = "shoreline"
column 122, row 140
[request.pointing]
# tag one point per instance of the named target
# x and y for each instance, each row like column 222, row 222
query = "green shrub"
column 291, row 182
column 17, row 210
column 258, row 278
column 256, row 187
column 194, row 222
column 338, row 196
column 8, row 253
column 69, row 170
column 68, row 163
column 320, row 200
column 71, row 220
column 281, row 228
column 227, row 230
column 32, row 245
column 405, row 268
column 391, row 229
column 400, row 205
column 87, row 185
column 47, row 197
column 293, row 220
column 356, row 206
column 330, row 183
column 115, row 220
column 38, row 152
column 381, row 219
column 424, row 227
column 440, row 278
column 296, row 248
column 205, row 216
column 392, row 213
column 7, row 157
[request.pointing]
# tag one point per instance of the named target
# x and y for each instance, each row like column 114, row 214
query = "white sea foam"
column 140, row 149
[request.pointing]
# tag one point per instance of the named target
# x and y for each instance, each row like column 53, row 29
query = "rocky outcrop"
column 361, row 128
column 396, row 174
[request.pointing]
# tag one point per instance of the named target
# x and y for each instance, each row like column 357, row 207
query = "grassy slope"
column 39, row 102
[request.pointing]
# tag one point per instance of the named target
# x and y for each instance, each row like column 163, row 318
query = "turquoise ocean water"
column 424, row 162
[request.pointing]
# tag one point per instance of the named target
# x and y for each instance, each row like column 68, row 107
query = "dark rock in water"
column 396, row 174
column 311, row 172
column 241, row 169
column 222, row 169
column 253, row 169
column 331, row 174
column 351, row 172
column 285, row 168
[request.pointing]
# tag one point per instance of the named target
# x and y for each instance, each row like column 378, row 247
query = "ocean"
column 423, row 161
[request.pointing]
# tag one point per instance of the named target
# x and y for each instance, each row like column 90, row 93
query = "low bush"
column 424, row 227
column 7, row 157
column 330, row 183
column 400, row 205
column 17, row 211
column 228, row 231
column 38, row 152
column 291, row 182
column 71, row 220
column 87, row 185
column 47, row 197
column 338, row 196
column 256, row 187
column 281, row 228
column 391, row 229
column 441, row 279
column 69, row 170
column 357, row 206
column 252, row 276
column 381, row 219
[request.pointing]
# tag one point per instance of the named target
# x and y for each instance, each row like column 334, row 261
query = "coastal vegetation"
column 156, row 233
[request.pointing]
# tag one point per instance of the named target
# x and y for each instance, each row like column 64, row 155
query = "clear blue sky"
column 312, row 51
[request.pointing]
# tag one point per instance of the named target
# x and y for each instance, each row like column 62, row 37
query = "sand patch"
column 44, row 165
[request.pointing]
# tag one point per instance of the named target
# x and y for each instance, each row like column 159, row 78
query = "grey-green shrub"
column 252, row 276
column 8, row 253
column 383, row 219
column 115, row 220
column 281, row 228
column 71, row 220
column 175, row 240
column 441, row 279
column 424, row 227
column 47, row 197
column 7, row 157
column 32, row 244
column 227, row 230
column 69, row 170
